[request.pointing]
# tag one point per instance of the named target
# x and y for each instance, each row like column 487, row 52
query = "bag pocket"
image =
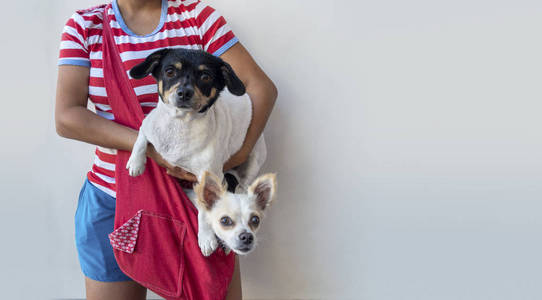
column 149, row 249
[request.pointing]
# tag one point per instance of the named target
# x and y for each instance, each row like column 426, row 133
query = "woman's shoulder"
column 92, row 11
column 90, row 18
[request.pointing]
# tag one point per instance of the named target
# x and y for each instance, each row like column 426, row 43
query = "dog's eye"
column 226, row 221
column 170, row 72
column 205, row 77
column 255, row 220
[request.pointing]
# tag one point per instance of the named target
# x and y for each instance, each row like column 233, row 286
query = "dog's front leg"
column 206, row 237
column 138, row 158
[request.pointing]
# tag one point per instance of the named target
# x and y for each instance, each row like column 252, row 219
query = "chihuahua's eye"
column 226, row 221
column 170, row 72
column 255, row 220
column 205, row 77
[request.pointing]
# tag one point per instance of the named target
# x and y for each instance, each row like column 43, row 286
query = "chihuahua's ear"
column 149, row 65
column 234, row 84
column 208, row 190
column 264, row 188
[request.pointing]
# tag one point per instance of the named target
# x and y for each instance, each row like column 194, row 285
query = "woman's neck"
column 141, row 16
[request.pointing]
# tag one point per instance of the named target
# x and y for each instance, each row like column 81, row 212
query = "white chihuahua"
column 235, row 218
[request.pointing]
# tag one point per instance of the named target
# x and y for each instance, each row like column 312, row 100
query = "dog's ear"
column 208, row 190
column 149, row 65
column 264, row 188
column 234, row 84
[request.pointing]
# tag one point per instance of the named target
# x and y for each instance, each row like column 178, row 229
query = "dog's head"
column 235, row 218
column 189, row 80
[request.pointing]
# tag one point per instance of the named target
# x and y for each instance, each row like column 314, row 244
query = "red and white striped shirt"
column 183, row 24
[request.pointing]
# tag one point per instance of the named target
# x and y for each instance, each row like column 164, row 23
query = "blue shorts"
column 94, row 220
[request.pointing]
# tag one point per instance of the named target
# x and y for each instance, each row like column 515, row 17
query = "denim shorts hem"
column 117, row 278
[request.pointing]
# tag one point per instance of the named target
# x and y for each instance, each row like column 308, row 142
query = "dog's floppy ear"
column 234, row 84
column 149, row 65
column 264, row 188
column 208, row 190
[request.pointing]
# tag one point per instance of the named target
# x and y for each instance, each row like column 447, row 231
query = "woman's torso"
column 181, row 25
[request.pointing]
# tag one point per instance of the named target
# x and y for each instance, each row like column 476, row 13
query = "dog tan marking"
column 201, row 99
column 171, row 90
column 178, row 65
column 213, row 93
column 161, row 90
column 203, row 67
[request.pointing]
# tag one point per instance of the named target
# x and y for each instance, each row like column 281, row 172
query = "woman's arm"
column 74, row 121
column 262, row 92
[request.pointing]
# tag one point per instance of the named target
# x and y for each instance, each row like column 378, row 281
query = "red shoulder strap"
column 120, row 92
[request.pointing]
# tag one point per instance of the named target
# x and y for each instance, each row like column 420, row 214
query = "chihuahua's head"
column 235, row 218
column 189, row 80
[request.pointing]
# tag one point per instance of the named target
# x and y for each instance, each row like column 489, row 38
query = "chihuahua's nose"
column 246, row 238
column 185, row 93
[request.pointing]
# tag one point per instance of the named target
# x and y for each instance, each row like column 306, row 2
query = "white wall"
column 406, row 138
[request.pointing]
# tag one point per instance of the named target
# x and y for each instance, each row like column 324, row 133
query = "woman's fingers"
column 182, row 174
column 171, row 170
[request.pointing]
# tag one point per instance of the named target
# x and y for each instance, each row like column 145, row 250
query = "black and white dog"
column 198, row 125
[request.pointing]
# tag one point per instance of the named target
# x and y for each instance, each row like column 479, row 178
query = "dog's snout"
column 185, row 93
column 246, row 238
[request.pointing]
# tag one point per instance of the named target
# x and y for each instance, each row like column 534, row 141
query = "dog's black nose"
column 185, row 93
column 246, row 238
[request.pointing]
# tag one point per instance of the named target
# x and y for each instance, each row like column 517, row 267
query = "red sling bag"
column 155, row 237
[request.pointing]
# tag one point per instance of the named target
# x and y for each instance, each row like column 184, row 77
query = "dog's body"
column 198, row 127
column 201, row 142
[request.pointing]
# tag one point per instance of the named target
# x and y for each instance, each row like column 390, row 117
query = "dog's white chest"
column 200, row 143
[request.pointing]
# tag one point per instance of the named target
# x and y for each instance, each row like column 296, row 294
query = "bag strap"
column 122, row 98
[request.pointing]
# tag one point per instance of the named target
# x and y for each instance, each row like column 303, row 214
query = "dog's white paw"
column 207, row 243
column 136, row 165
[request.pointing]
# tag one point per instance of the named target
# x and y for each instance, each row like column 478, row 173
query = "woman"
column 140, row 27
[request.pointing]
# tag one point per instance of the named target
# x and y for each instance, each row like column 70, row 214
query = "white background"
column 407, row 138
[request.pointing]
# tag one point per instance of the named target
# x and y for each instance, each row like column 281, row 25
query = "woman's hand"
column 235, row 160
column 171, row 170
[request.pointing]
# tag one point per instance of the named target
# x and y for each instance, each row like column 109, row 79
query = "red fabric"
column 165, row 254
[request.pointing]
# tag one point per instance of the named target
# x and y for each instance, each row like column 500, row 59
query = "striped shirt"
column 183, row 24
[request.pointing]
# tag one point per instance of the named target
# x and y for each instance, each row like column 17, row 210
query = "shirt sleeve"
column 217, row 36
column 73, row 43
